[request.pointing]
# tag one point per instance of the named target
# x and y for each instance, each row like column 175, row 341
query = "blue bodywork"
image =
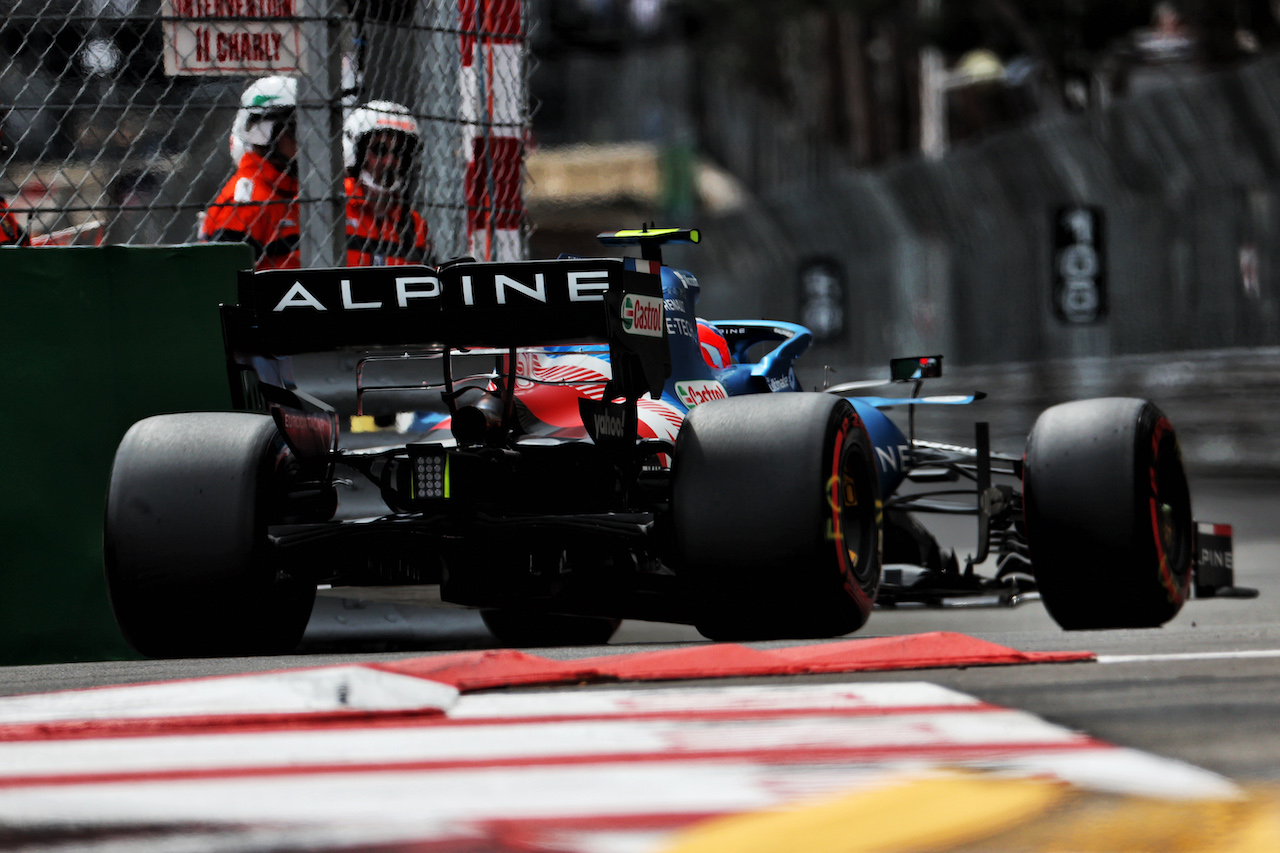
column 772, row 370
column 763, row 358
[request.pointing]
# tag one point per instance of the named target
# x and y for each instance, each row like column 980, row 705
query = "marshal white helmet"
column 370, row 118
column 268, row 103
column 235, row 142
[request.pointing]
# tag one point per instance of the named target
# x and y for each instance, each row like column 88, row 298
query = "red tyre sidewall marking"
column 1177, row 592
column 835, row 501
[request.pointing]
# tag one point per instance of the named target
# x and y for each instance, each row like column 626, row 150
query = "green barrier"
column 94, row 339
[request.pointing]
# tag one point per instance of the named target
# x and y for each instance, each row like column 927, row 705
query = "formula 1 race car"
column 586, row 463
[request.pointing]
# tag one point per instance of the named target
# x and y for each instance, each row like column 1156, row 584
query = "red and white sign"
column 492, row 79
column 235, row 37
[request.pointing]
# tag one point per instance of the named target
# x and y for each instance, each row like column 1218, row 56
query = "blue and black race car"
column 598, row 453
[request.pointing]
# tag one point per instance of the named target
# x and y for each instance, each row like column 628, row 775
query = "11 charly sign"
column 233, row 37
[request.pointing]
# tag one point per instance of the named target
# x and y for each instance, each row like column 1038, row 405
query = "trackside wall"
column 957, row 255
column 93, row 340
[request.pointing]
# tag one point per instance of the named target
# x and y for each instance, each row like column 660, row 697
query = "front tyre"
column 188, row 568
column 777, row 516
column 1108, row 514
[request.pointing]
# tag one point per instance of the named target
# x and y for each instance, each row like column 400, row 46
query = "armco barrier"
column 93, row 340
column 1224, row 403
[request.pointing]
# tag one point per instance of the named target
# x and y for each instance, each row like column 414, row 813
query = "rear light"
column 429, row 473
column 435, row 475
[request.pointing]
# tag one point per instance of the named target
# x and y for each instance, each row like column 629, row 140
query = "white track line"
column 1181, row 656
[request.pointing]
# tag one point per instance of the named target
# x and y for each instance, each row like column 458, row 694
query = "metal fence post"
column 442, row 193
column 321, row 197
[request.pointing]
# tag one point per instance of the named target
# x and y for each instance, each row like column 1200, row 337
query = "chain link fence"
column 117, row 114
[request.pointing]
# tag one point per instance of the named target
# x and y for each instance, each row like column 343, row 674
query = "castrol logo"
column 642, row 315
column 700, row 391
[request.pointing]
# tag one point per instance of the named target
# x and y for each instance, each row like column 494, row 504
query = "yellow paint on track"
column 920, row 814
column 976, row 813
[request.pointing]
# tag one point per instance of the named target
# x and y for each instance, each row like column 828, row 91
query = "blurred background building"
column 927, row 170
column 925, row 156
column 777, row 93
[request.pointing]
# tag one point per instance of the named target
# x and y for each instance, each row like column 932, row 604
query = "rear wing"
column 468, row 304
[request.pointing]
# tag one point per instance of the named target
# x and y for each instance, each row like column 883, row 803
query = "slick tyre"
column 1108, row 514
column 523, row 629
column 187, row 565
column 777, row 517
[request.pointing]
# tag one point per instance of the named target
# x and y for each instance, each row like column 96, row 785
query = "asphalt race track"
column 1173, row 734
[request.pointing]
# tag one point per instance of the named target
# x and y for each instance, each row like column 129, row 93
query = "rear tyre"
column 523, row 629
column 187, row 564
column 777, row 515
column 1108, row 514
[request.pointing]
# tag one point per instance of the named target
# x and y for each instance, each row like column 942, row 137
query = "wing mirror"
column 915, row 368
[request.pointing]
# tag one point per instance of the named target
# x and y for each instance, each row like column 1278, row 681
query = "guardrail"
column 1223, row 403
